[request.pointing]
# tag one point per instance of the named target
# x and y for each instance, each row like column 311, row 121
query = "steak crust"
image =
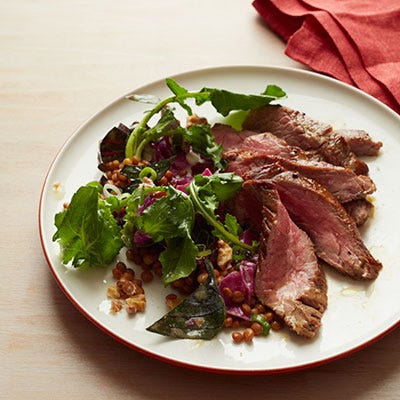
column 298, row 129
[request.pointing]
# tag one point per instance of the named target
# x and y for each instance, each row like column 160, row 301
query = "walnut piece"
column 224, row 256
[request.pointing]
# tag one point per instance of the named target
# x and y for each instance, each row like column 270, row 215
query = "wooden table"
column 61, row 61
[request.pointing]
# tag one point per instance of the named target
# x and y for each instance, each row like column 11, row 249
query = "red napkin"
column 355, row 41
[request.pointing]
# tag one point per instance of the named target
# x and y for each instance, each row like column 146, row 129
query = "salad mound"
column 165, row 197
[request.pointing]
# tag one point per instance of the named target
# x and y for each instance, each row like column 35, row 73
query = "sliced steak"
column 335, row 235
column 360, row 142
column 228, row 137
column 299, row 130
column 288, row 279
column 359, row 210
column 256, row 151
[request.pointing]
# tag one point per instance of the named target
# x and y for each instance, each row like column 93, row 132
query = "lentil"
column 269, row 316
column 227, row 292
column 246, row 308
column 146, row 276
column 257, row 328
column 238, row 296
column 248, row 335
column 237, row 337
column 228, row 322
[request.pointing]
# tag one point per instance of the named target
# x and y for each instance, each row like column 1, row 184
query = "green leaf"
column 223, row 185
column 175, row 88
column 180, row 94
column 170, row 220
column 274, row 91
column 178, row 260
column 168, row 217
column 201, row 315
column 225, row 101
column 144, row 98
column 87, row 231
column 202, row 141
column 166, row 125
column 206, row 193
column 131, row 216
column 232, row 225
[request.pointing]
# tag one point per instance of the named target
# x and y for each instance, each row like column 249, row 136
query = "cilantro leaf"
column 87, row 231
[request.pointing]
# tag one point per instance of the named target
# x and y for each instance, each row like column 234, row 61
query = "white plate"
column 357, row 314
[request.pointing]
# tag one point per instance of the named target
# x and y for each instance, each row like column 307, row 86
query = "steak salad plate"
column 358, row 312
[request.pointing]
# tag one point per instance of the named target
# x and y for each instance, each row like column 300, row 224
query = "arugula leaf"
column 180, row 93
column 202, row 141
column 87, row 231
column 222, row 186
column 166, row 125
column 201, row 315
column 274, row 91
column 232, row 225
column 206, row 192
column 223, row 101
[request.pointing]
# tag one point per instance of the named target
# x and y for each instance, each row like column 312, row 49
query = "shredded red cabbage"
column 141, row 239
column 162, row 149
column 181, row 182
column 242, row 280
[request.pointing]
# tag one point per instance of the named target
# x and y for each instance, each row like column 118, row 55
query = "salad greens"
column 171, row 219
column 207, row 192
column 87, row 231
column 223, row 101
column 185, row 215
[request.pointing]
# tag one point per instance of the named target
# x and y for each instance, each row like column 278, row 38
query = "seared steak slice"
column 264, row 149
column 359, row 210
column 288, row 278
column 335, row 235
column 299, row 130
column 360, row 142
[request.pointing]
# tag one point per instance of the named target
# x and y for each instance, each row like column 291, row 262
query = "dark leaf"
column 112, row 146
column 201, row 315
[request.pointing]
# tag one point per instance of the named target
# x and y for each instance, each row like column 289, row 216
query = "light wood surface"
column 60, row 62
